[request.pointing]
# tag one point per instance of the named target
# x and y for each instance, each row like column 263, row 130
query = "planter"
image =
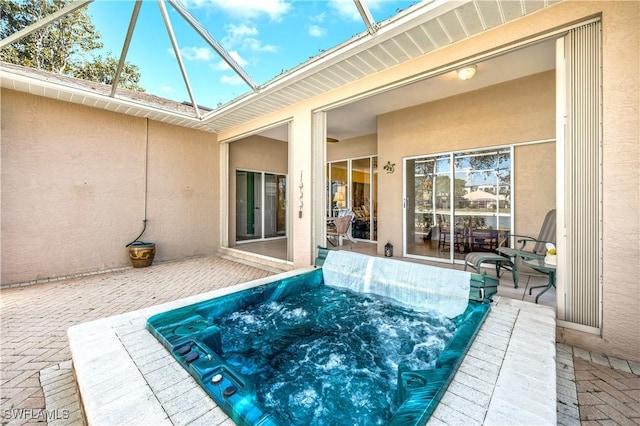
column 141, row 254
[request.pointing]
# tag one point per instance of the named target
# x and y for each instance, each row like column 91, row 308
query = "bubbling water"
column 329, row 356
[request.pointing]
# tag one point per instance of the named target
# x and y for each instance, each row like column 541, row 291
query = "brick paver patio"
column 607, row 395
column 35, row 320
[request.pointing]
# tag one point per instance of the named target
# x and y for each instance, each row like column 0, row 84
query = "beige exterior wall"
column 73, row 188
column 351, row 148
column 469, row 121
column 255, row 153
column 534, row 192
column 621, row 150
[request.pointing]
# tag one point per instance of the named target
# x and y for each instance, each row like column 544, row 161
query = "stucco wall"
column 354, row 147
column 469, row 121
column 254, row 153
column 73, row 188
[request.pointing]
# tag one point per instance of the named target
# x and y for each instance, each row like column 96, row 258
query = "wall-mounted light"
column 467, row 73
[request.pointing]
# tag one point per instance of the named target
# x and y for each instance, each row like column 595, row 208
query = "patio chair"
column 444, row 242
column 341, row 228
column 536, row 248
column 483, row 239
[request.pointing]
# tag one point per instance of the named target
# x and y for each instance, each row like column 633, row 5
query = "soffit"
column 414, row 32
column 421, row 30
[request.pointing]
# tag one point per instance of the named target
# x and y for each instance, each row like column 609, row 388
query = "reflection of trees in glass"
column 495, row 166
column 474, row 174
column 468, row 160
column 426, row 183
column 423, row 184
column 443, row 184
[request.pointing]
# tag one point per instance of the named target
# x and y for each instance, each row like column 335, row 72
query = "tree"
column 103, row 70
column 62, row 46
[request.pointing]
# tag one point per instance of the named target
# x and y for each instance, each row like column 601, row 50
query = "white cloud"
column 222, row 65
column 248, row 9
column 319, row 18
column 197, row 53
column 236, row 34
column 316, row 31
column 244, row 37
column 256, row 45
column 231, row 80
column 239, row 59
column 346, row 9
column 166, row 89
column 374, row 4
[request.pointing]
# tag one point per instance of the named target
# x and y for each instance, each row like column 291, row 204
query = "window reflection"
column 457, row 203
column 352, row 187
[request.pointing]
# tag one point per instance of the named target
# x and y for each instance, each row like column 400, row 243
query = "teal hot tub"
column 301, row 351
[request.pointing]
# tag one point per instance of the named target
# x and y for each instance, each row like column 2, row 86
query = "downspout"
column 146, row 178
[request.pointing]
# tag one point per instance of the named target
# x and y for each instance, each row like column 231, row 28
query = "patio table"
column 545, row 268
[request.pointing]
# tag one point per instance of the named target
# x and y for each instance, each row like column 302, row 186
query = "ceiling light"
column 467, row 73
column 332, row 140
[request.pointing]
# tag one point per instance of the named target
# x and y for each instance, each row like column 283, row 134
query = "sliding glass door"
column 260, row 205
column 352, row 185
column 456, row 203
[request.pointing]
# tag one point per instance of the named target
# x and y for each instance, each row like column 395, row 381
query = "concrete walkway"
column 35, row 353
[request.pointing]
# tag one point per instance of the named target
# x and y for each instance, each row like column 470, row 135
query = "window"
column 457, row 203
column 352, row 185
column 260, row 205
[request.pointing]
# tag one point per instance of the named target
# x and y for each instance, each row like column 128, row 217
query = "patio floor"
column 35, row 351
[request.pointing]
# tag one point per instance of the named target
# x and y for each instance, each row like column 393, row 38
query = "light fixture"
column 467, row 73
column 332, row 140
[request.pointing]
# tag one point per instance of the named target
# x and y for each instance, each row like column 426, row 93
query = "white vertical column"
column 319, row 179
column 224, row 195
column 300, row 190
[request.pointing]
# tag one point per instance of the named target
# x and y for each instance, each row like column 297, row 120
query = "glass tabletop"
column 540, row 265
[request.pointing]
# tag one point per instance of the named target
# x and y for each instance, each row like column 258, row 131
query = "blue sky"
column 266, row 37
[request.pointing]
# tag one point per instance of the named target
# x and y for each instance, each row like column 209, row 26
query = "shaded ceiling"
column 359, row 118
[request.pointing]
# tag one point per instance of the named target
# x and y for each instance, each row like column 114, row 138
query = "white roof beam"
column 176, row 50
column 125, row 47
column 366, row 16
column 179, row 7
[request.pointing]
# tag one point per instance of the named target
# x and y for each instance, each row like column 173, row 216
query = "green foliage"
column 104, row 69
column 63, row 46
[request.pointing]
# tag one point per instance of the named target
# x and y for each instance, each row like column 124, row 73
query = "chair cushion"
column 475, row 259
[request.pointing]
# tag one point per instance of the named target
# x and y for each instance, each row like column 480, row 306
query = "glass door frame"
column 263, row 189
column 330, row 192
column 451, row 211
